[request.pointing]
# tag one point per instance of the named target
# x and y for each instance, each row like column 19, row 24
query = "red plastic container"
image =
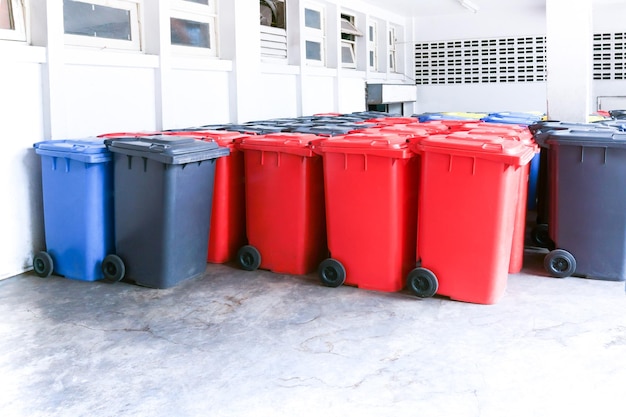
column 228, row 216
column 390, row 121
column 285, row 216
column 523, row 135
column 469, row 193
column 371, row 210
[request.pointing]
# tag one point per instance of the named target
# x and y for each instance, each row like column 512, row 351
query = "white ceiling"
column 415, row 8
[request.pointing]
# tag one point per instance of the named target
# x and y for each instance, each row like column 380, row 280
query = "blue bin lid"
column 90, row 150
column 173, row 150
column 591, row 138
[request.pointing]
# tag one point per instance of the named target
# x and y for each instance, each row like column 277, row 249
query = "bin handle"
column 492, row 147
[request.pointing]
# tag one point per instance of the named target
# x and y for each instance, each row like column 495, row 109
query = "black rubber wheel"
column 539, row 236
column 113, row 268
column 422, row 282
column 249, row 258
column 42, row 264
column 332, row 273
column 560, row 263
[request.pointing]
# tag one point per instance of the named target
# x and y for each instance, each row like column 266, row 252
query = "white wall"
column 608, row 16
column 20, row 172
column 481, row 97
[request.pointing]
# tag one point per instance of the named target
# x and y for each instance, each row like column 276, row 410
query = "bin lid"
column 222, row 137
column 91, row 150
column 286, row 142
column 367, row 143
column 168, row 149
column 592, row 138
column 523, row 136
column 128, row 134
column 483, row 146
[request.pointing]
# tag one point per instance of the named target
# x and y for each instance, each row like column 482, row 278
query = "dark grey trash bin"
column 163, row 187
column 587, row 220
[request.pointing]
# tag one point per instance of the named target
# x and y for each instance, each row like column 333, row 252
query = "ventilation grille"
column 501, row 60
column 609, row 56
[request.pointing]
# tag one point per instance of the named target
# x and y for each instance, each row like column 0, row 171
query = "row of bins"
column 439, row 206
column 373, row 183
column 134, row 207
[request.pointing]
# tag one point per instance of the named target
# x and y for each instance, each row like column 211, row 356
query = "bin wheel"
column 422, row 282
column 332, row 273
column 113, row 268
column 42, row 264
column 249, row 258
column 560, row 263
column 540, row 236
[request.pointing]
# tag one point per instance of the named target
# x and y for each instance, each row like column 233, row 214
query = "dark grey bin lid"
column 168, row 149
column 592, row 138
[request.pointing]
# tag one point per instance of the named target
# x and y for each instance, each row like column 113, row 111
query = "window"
column 273, row 13
column 349, row 32
column 314, row 32
column 192, row 27
column 12, row 20
column 102, row 23
column 391, row 49
column 273, row 30
column 372, row 50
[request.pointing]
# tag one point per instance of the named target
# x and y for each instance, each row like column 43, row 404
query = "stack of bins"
column 228, row 213
column 468, row 198
column 371, row 210
column 285, row 217
column 77, row 182
column 587, row 219
column 163, row 187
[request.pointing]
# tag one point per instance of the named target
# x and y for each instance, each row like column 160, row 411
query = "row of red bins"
column 438, row 207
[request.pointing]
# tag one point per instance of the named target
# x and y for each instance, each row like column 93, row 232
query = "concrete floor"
column 236, row 343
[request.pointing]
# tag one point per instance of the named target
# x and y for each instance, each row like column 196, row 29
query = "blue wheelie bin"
column 77, row 182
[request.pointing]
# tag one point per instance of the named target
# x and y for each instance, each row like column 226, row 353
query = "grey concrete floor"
column 236, row 343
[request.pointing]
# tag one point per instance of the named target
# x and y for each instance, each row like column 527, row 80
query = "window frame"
column 314, row 35
column 392, row 62
column 372, row 46
column 200, row 13
column 350, row 31
column 135, row 44
column 18, row 21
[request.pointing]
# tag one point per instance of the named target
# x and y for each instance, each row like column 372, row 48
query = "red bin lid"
column 286, row 142
column 380, row 144
column 483, row 146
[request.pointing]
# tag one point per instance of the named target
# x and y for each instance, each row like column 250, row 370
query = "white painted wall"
column 20, row 172
column 608, row 16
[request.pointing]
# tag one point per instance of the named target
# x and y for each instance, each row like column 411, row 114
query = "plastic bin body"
column 467, row 205
column 77, row 182
column 163, row 189
column 587, row 200
column 228, row 212
column 285, row 217
column 522, row 135
column 371, row 208
column 541, row 132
